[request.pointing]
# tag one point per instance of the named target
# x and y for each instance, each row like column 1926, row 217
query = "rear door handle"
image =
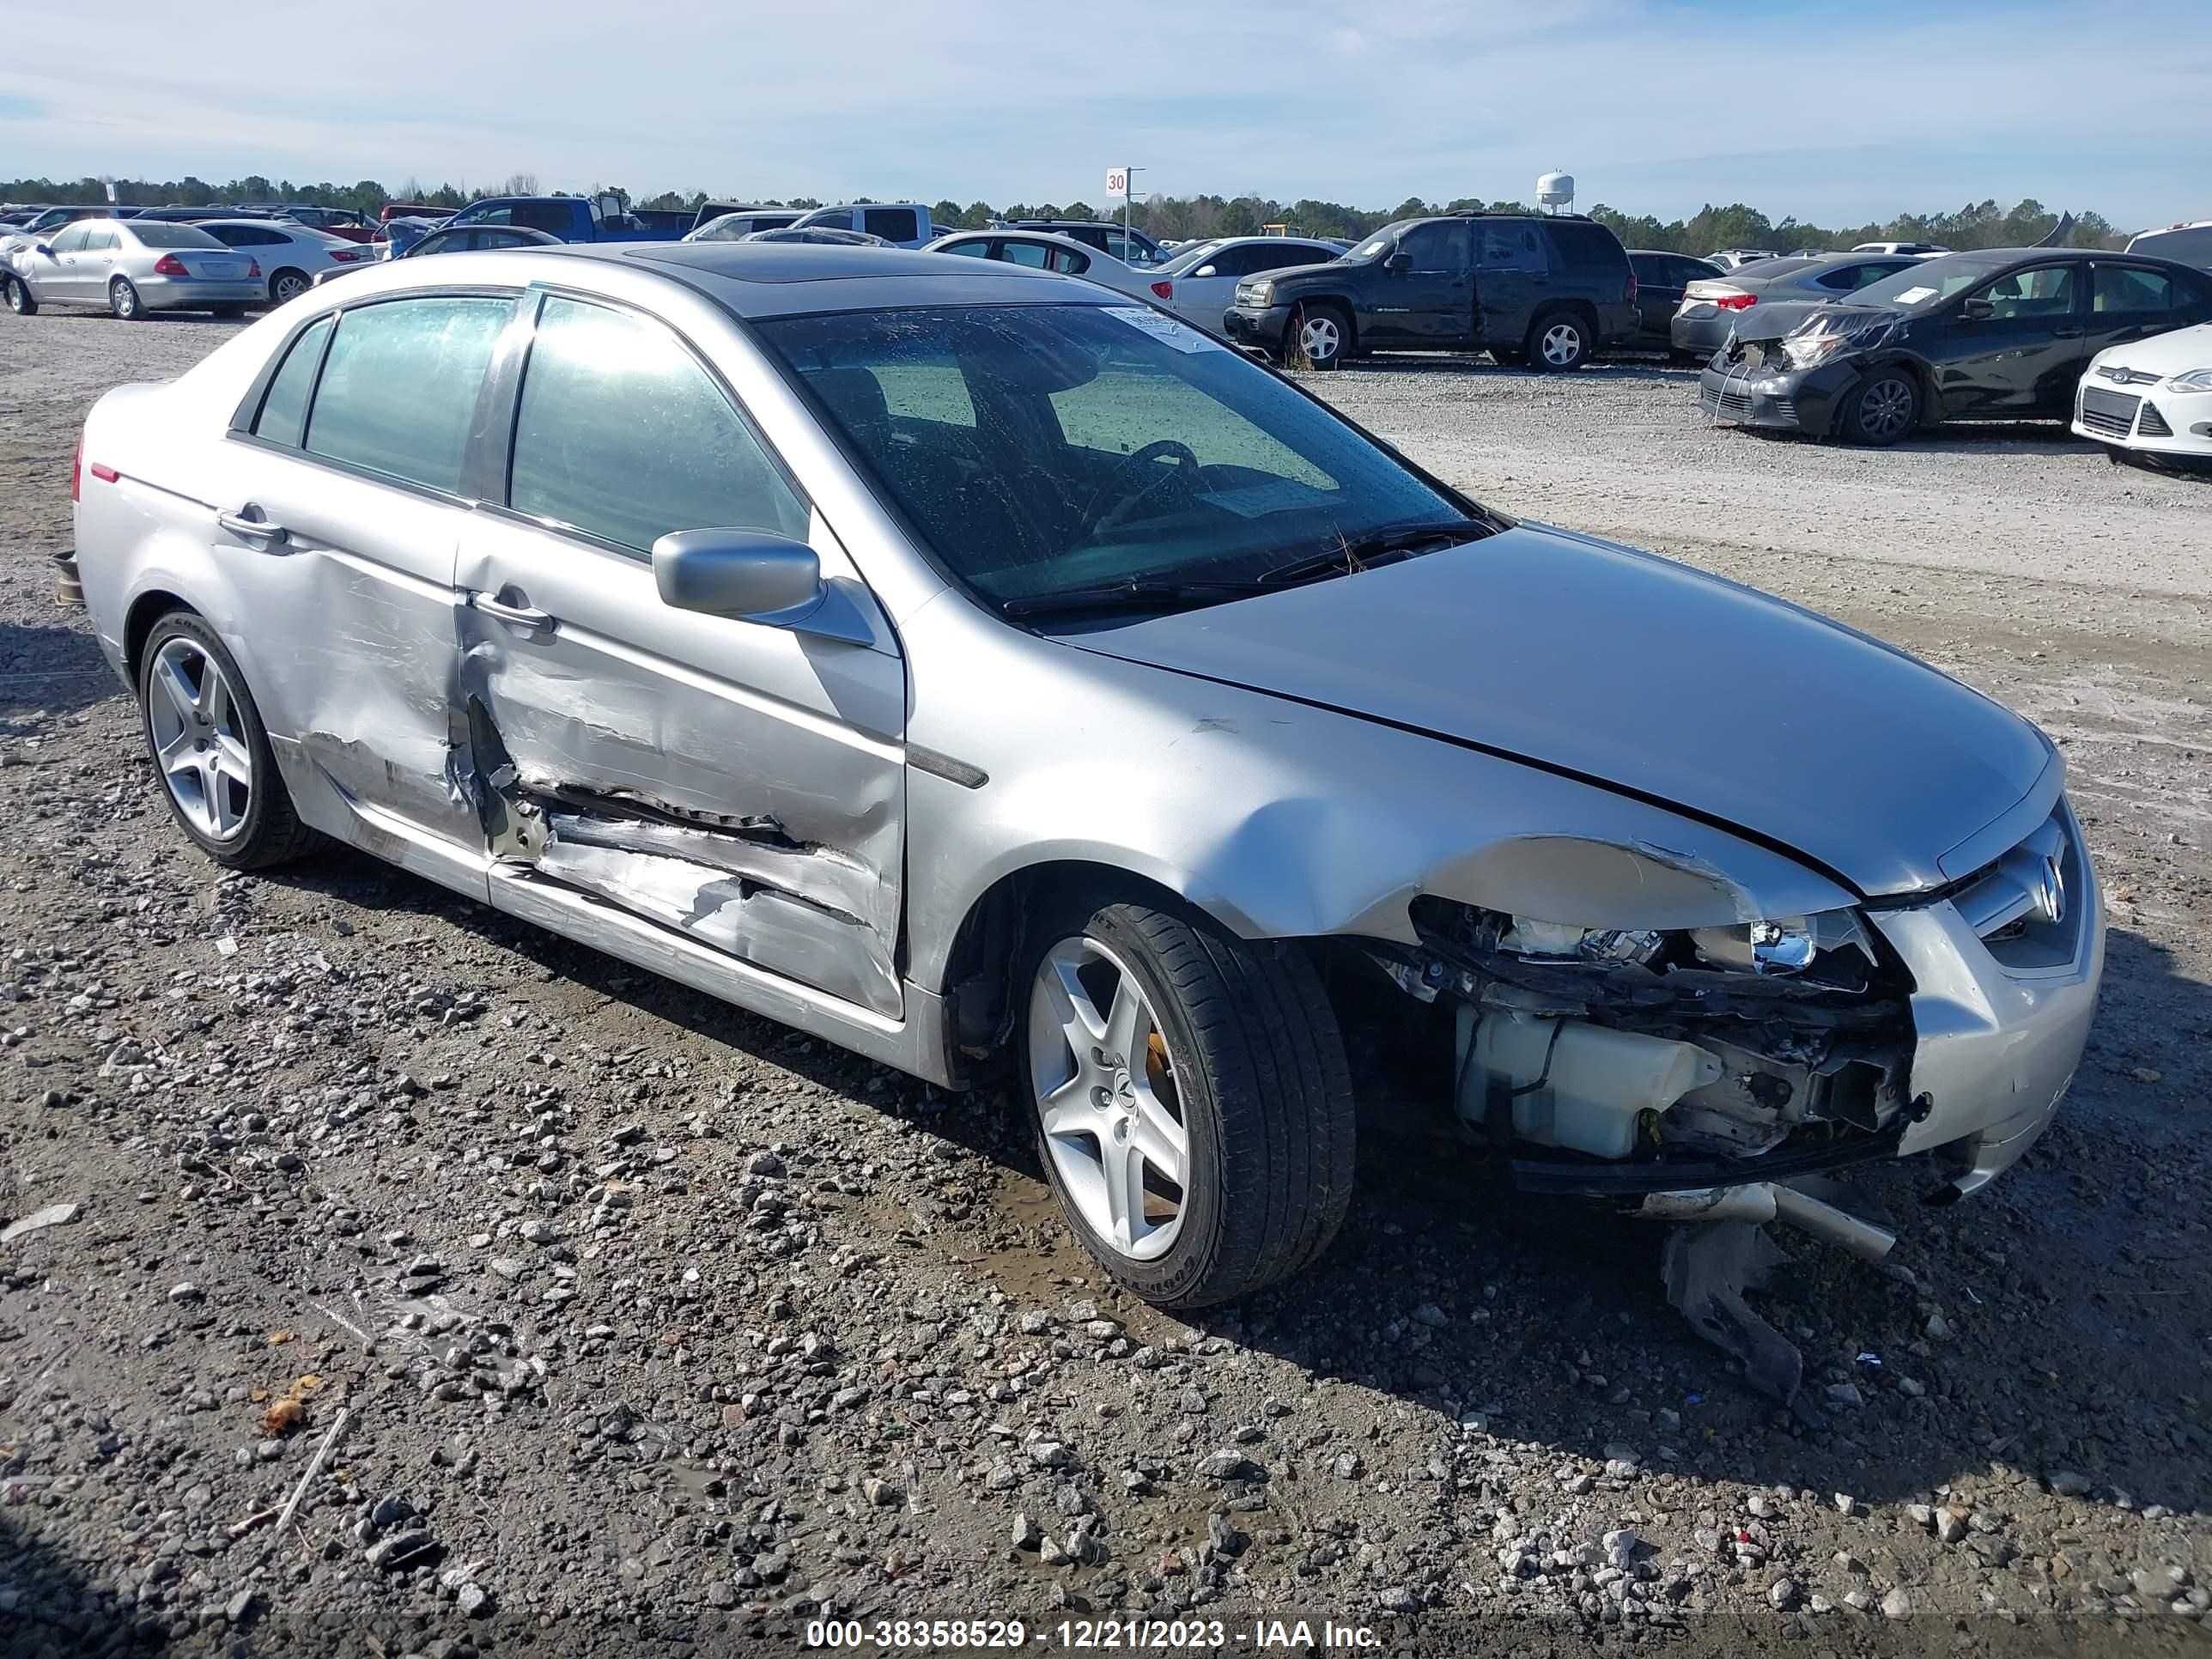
column 259, row 530
column 528, row 617
column 2067, row 334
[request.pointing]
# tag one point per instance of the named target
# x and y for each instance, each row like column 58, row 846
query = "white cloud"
column 1654, row 107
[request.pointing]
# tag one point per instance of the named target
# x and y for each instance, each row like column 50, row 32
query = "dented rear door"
column 740, row 783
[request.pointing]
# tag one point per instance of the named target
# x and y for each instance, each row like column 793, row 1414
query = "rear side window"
column 1584, row 246
column 892, row 224
column 1511, row 245
column 1033, row 255
column 2122, row 288
column 284, row 417
column 1069, row 263
column 399, row 387
column 552, row 217
column 622, row 435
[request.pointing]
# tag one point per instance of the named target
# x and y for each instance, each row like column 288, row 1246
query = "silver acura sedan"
column 981, row 670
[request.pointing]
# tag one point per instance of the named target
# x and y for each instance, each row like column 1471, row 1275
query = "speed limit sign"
column 1117, row 181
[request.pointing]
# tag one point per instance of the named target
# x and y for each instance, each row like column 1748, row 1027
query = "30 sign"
column 1117, row 181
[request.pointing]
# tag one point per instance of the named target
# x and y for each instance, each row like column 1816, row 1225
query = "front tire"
column 1193, row 1100
column 1320, row 337
column 1559, row 340
column 122, row 300
column 20, row 300
column 211, row 753
column 287, row 284
column 1885, row 409
column 229, row 313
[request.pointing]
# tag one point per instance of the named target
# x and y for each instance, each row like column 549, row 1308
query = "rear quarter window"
column 1580, row 246
column 892, row 224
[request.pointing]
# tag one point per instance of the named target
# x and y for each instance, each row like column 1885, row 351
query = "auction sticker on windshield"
column 1913, row 296
column 1166, row 329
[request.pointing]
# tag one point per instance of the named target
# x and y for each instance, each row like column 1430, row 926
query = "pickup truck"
column 576, row 218
column 904, row 223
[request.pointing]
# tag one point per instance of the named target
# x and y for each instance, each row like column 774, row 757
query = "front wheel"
column 1319, row 336
column 1884, row 409
column 1557, row 342
column 1193, row 1100
column 20, row 300
column 211, row 751
column 122, row 300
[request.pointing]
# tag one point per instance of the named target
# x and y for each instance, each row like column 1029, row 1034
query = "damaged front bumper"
column 1733, row 391
column 1953, row 1032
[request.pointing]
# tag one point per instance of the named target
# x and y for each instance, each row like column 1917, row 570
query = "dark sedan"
column 1661, row 279
column 2000, row 334
column 1711, row 308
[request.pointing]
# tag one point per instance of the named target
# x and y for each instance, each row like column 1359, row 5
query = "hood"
column 1329, row 269
column 1770, row 319
column 2176, row 352
column 1643, row 675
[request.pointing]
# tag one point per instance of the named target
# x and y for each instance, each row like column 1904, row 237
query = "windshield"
column 1043, row 449
column 1381, row 242
column 1929, row 283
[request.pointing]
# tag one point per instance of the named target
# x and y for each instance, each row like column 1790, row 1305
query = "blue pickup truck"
column 606, row 218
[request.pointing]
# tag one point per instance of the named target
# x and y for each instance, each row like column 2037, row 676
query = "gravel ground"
column 428, row 1284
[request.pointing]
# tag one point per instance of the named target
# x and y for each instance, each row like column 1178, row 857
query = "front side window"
column 284, row 417
column 71, row 240
column 622, row 435
column 1439, row 245
column 2044, row 291
column 399, row 385
column 1093, row 444
column 975, row 247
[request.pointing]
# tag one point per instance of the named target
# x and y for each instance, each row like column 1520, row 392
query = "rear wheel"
column 1883, row 409
column 20, row 300
column 1320, row 336
column 211, row 751
column 122, row 300
column 287, row 284
column 1559, row 340
column 1193, row 1100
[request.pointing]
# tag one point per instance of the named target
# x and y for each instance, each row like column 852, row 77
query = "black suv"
column 1551, row 290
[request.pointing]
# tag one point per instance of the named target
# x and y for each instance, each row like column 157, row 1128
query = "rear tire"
column 1236, row 1074
column 1321, row 335
column 1559, row 340
column 20, row 300
column 211, row 754
column 122, row 300
column 1884, row 409
column 1509, row 356
column 287, row 284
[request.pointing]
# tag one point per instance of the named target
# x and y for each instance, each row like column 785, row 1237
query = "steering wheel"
column 1185, row 474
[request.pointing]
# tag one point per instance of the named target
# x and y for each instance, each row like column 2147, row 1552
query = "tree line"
column 1977, row 224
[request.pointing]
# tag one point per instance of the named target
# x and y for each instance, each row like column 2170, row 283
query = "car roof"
column 777, row 279
column 1042, row 238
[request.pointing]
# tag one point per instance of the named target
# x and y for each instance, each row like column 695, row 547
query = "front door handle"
column 2066, row 334
column 256, row 529
column 528, row 617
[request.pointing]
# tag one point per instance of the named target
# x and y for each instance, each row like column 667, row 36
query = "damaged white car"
column 969, row 665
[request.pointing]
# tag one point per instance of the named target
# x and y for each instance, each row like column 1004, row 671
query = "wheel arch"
column 1339, row 303
column 148, row 609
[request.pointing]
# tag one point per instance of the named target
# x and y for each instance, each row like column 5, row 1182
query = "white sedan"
column 1040, row 249
column 1204, row 274
column 2151, row 397
column 291, row 256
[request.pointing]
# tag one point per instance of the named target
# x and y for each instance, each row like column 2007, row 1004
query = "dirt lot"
column 581, row 1313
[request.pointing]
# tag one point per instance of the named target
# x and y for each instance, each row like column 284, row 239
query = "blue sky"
column 1834, row 113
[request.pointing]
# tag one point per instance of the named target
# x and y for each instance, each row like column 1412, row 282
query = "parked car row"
column 158, row 262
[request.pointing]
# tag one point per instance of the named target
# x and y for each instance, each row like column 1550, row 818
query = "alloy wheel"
column 1562, row 344
column 1884, row 408
column 1104, row 1084
column 1320, row 338
column 200, row 744
column 126, row 300
column 289, row 288
column 14, row 290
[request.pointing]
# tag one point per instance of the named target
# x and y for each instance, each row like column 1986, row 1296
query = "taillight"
column 346, row 256
column 1165, row 290
column 76, row 469
column 253, row 269
column 169, row 265
column 1736, row 302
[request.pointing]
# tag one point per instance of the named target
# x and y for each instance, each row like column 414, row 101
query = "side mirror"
column 1399, row 264
column 43, row 247
column 737, row 572
column 1978, row 308
column 1207, row 270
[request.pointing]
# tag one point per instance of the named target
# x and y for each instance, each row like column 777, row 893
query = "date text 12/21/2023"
column 1086, row 1635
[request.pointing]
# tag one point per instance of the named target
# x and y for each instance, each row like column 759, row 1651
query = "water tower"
column 1555, row 192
